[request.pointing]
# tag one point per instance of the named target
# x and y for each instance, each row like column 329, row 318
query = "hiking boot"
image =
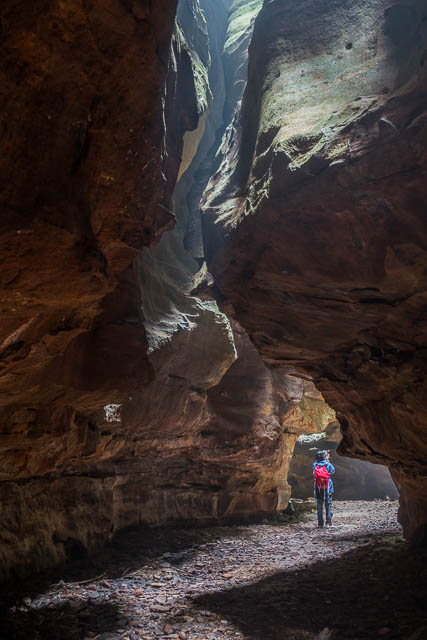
column 329, row 524
column 320, row 526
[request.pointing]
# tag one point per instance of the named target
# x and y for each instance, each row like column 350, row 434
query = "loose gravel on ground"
column 287, row 581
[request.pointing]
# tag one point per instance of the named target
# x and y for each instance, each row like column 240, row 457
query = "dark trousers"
column 324, row 498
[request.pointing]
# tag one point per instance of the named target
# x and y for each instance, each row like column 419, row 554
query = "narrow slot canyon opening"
column 215, row 233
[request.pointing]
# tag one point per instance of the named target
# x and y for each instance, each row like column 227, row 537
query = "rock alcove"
column 192, row 269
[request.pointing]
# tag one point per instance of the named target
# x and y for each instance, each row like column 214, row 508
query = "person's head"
column 320, row 456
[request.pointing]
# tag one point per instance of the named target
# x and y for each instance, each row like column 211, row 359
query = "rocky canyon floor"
column 287, row 581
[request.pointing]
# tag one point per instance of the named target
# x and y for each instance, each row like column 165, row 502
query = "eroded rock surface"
column 110, row 413
column 83, row 189
column 316, row 229
column 126, row 395
column 217, row 453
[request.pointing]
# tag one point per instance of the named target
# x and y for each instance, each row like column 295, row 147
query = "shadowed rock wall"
column 316, row 229
column 83, row 188
column 217, row 453
column 109, row 413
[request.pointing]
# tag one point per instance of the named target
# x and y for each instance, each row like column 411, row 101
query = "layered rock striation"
column 83, row 189
column 316, row 230
column 214, row 437
column 125, row 398
column 126, row 395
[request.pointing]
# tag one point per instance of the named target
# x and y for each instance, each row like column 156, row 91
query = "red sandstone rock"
column 98, row 434
column 82, row 189
column 316, row 230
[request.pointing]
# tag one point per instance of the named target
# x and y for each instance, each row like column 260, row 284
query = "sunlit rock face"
column 239, row 34
column 211, row 440
column 187, row 337
column 229, row 25
column 316, row 229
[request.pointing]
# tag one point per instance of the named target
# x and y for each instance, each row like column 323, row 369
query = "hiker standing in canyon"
column 323, row 487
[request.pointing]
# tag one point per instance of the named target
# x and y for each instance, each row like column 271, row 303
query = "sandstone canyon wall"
column 127, row 396
column 315, row 222
column 120, row 402
column 83, row 189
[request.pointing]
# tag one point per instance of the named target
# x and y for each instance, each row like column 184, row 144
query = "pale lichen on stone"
column 112, row 412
